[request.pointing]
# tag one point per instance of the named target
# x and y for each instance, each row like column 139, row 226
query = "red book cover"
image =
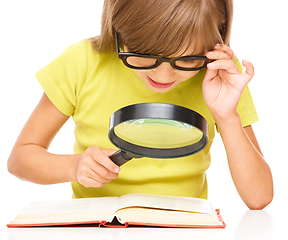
column 120, row 212
column 116, row 224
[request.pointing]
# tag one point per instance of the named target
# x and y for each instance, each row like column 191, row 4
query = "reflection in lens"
column 189, row 63
column 158, row 133
column 141, row 61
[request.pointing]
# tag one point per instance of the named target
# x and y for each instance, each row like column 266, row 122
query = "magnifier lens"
column 158, row 133
column 156, row 130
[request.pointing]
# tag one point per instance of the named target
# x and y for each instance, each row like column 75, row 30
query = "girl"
column 92, row 79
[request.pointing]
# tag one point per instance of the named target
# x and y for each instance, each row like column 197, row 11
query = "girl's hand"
column 223, row 84
column 95, row 169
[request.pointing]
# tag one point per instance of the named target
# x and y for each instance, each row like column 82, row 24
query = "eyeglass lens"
column 149, row 62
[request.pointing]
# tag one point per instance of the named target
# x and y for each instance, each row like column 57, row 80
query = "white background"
column 33, row 33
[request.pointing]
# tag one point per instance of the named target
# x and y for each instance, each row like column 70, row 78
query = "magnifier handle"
column 120, row 157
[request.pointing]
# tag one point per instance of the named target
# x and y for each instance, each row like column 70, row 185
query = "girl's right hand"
column 95, row 168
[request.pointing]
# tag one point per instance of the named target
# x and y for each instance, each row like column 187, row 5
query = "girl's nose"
column 164, row 72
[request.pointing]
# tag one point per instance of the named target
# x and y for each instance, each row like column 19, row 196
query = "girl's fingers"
column 217, row 54
column 249, row 68
column 210, row 75
column 249, row 73
column 223, row 56
column 88, row 182
column 101, row 156
column 224, row 48
column 101, row 173
column 220, row 51
column 95, row 169
column 227, row 65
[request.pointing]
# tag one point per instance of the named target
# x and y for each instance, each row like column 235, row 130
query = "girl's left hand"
column 223, row 83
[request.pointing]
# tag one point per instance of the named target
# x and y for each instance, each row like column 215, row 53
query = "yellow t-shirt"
column 90, row 86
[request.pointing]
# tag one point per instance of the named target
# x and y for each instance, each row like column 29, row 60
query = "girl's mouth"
column 159, row 85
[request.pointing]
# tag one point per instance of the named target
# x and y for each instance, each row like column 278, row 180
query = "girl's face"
column 164, row 77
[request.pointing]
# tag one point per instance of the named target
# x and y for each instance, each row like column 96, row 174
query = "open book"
column 130, row 209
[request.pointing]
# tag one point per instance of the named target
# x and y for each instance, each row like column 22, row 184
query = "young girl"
column 91, row 79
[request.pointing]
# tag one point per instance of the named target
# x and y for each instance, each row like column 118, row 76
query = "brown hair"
column 164, row 27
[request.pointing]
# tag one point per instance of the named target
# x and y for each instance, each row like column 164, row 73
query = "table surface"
column 246, row 225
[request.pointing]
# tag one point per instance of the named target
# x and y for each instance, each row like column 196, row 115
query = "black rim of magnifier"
column 158, row 111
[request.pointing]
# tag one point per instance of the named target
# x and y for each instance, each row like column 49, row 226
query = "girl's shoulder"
column 84, row 57
column 86, row 49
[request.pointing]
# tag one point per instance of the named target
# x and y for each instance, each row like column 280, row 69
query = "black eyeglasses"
column 145, row 61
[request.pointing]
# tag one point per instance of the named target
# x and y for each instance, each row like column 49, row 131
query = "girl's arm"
column 222, row 89
column 249, row 170
column 30, row 160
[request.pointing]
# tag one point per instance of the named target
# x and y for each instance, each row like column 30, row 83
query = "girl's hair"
column 165, row 27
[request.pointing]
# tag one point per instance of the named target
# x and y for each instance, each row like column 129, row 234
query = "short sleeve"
column 63, row 78
column 246, row 109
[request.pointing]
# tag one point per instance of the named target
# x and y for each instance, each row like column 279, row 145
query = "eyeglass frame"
column 124, row 55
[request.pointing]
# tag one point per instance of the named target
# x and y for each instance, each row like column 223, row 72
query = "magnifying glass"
column 156, row 130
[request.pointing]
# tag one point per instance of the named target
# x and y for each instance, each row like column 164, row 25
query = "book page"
column 83, row 210
column 165, row 202
column 160, row 217
column 106, row 204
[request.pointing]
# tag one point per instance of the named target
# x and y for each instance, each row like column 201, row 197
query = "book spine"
column 107, row 225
